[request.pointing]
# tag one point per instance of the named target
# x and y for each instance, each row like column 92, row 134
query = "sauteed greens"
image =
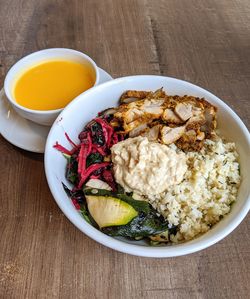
column 146, row 222
column 105, row 205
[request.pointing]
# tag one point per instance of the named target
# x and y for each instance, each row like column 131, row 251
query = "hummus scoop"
column 147, row 167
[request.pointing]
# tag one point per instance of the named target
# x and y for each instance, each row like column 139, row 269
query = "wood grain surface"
column 42, row 255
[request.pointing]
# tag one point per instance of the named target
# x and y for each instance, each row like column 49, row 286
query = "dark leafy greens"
column 90, row 159
column 93, row 159
column 97, row 134
column 79, row 201
column 146, row 224
column 71, row 170
column 86, row 160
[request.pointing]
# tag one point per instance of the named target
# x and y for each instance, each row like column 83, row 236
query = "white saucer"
column 22, row 132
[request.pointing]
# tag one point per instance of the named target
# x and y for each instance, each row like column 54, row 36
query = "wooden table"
column 42, row 255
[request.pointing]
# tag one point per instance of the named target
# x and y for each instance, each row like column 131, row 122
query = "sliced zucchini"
column 110, row 211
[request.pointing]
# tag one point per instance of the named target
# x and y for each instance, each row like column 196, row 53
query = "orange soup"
column 52, row 84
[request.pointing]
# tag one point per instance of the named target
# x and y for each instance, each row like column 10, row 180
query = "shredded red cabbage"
column 90, row 170
column 70, row 141
column 62, row 149
column 97, row 137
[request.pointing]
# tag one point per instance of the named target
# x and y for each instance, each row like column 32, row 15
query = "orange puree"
column 52, row 84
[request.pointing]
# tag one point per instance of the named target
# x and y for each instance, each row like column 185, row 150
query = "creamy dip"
column 147, row 167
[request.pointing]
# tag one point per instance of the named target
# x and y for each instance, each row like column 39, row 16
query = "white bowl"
column 86, row 106
column 42, row 117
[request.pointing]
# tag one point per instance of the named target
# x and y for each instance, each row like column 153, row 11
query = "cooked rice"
column 205, row 195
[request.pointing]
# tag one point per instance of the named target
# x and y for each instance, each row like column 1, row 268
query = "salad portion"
column 95, row 193
column 152, row 168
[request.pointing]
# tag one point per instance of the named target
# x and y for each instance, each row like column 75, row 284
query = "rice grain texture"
column 206, row 193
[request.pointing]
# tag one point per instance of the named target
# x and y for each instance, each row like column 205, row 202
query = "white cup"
column 43, row 117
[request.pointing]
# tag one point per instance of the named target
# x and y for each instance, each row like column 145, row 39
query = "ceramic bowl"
column 86, row 106
column 42, row 117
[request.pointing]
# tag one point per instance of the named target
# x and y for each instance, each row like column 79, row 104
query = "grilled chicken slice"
column 184, row 111
column 154, row 107
column 132, row 125
column 136, row 113
column 129, row 100
column 195, row 122
column 189, row 136
column 170, row 116
column 191, row 141
column 170, row 135
column 210, row 120
column 133, row 95
column 189, row 120
column 152, row 133
column 130, row 96
column 138, row 130
column 130, row 114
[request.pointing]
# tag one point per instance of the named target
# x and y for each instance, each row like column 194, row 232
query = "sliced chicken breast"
column 170, row 135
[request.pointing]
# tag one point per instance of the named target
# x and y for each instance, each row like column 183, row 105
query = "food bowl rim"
column 139, row 250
